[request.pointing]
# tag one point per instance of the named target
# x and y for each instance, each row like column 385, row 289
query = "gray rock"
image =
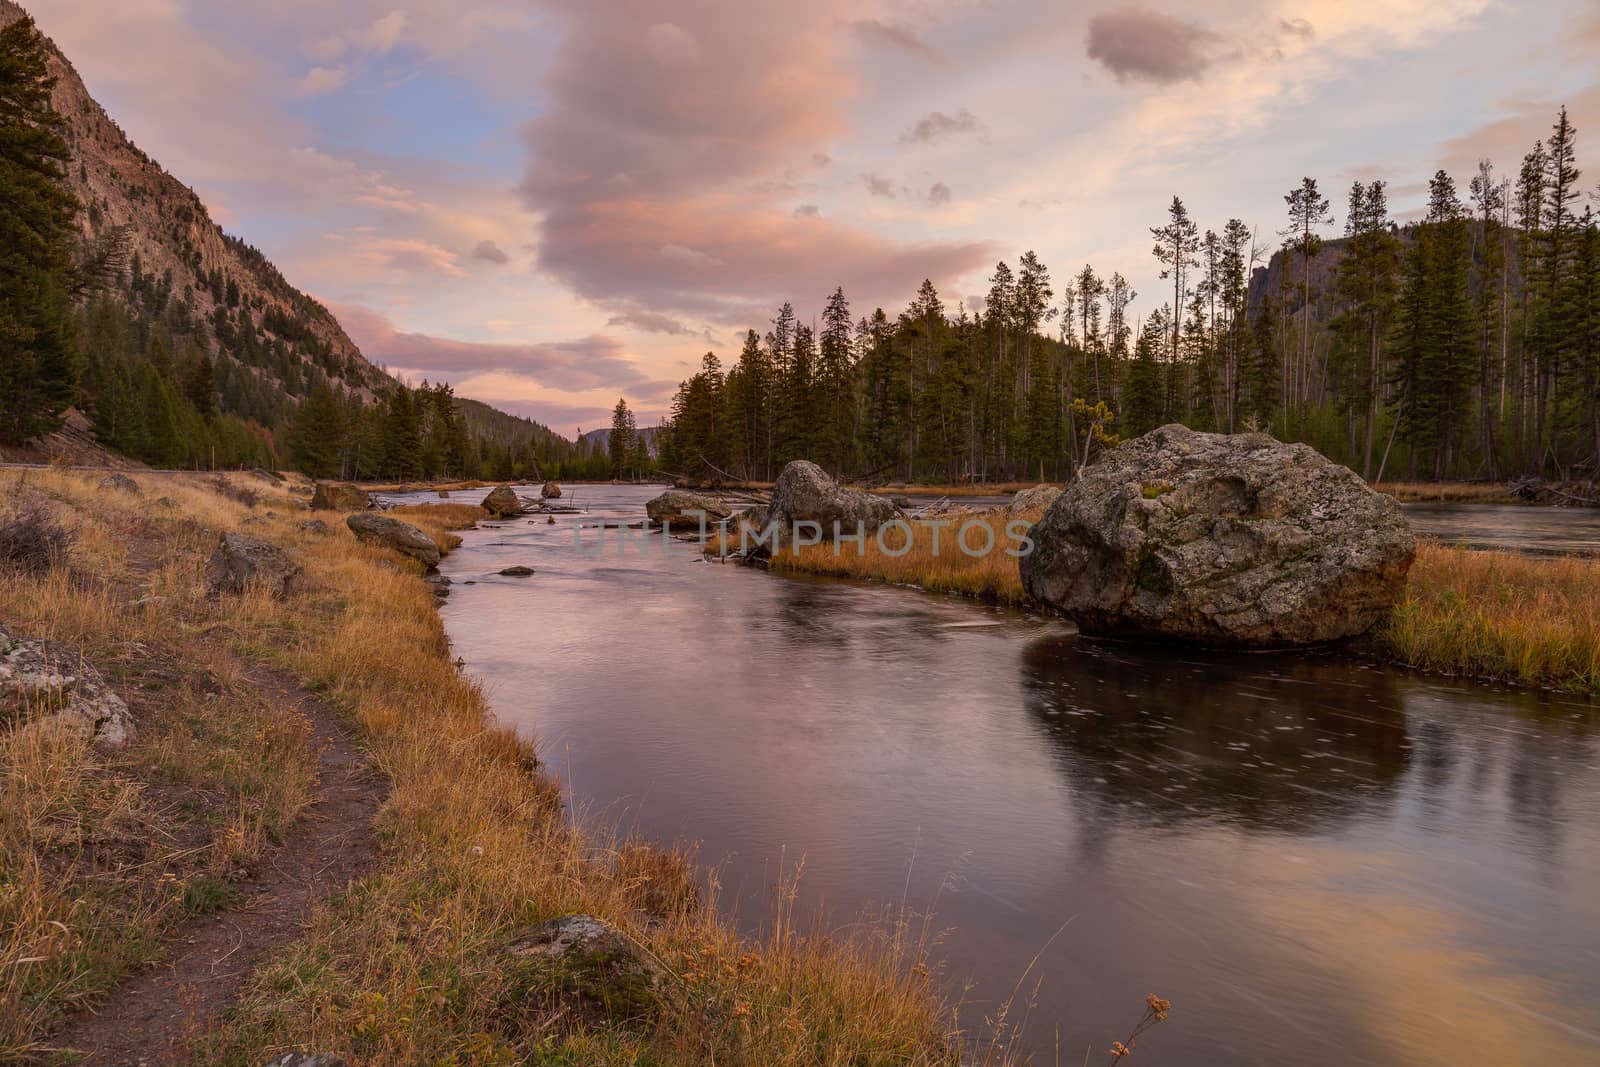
column 392, row 533
column 165, row 502
column 591, row 965
column 805, row 493
column 39, row 676
column 517, row 572
column 307, row 1059
column 680, row 509
column 1033, row 501
column 502, row 502
column 1225, row 540
column 551, row 491
column 336, row 496
column 241, row 561
column 120, row 483
column 316, row 526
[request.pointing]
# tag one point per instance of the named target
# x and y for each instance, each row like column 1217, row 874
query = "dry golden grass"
column 1496, row 615
column 1448, row 492
column 101, row 853
column 403, row 970
column 992, row 576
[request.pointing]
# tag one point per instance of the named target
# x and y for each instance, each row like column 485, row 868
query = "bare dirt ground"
column 145, row 1021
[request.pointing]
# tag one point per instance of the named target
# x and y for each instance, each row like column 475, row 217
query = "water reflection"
column 1264, row 742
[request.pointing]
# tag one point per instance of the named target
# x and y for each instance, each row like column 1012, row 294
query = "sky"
column 554, row 203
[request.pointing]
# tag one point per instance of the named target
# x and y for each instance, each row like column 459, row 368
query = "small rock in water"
column 517, row 572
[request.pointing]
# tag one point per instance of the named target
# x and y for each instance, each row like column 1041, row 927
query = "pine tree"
column 620, row 444
column 316, row 435
column 836, row 385
column 1308, row 211
column 1176, row 245
column 37, row 371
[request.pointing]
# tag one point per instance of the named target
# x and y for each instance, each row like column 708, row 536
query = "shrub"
column 31, row 540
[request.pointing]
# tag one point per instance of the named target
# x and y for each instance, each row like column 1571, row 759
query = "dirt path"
column 144, row 1021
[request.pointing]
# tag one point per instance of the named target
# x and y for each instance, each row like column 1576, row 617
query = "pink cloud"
column 596, row 362
column 659, row 166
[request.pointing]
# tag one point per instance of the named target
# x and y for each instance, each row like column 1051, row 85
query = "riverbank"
column 111, row 854
column 1492, row 615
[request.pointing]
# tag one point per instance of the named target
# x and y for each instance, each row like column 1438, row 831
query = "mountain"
column 179, row 252
column 600, row 440
column 206, row 297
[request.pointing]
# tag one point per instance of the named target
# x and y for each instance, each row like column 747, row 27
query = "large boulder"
column 403, row 537
column 1234, row 540
column 49, row 682
column 240, row 562
column 805, row 493
column 551, row 491
column 1033, row 501
column 502, row 502
column 680, row 509
column 337, row 496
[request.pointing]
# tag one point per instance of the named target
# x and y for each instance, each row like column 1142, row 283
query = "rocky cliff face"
column 181, row 255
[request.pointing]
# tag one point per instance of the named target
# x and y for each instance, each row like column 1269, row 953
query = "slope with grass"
column 407, row 966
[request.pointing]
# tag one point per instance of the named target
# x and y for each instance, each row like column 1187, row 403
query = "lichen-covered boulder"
column 48, row 682
column 1233, row 540
column 680, row 509
column 502, row 502
column 805, row 494
column 551, row 491
column 1033, row 501
column 587, row 966
column 241, row 561
column 316, row 526
column 336, row 496
column 307, row 1059
column 403, row 537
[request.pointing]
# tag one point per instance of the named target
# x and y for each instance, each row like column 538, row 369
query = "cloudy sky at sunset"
column 552, row 203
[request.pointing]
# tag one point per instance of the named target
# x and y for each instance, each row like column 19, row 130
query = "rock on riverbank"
column 1236, row 540
column 805, row 493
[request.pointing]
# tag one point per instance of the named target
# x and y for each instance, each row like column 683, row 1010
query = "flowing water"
column 1320, row 862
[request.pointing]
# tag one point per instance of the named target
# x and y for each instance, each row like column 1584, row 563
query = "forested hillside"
column 1465, row 344
column 185, row 346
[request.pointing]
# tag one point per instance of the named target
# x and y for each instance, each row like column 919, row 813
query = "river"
column 1320, row 862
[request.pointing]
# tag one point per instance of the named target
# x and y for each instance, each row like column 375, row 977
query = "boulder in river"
column 403, row 537
column 1233, row 540
column 551, row 491
column 49, row 682
column 337, row 496
column 240, row 562
column 681, row 509
column 502, row 502
column 1033, row 501
column 805, row 494
column 519, row 571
